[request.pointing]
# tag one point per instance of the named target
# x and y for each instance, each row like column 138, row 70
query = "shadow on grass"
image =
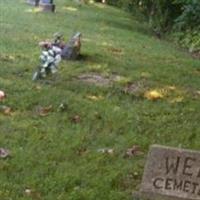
column 84, row 57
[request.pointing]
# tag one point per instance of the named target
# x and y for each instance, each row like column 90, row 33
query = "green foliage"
column 189, row 39
column 187, row 25
column 181, row 16
column 160, row 13
column 190, row 17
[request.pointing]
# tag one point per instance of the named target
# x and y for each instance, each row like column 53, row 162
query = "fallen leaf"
column 94, row 98
column 153, row 95
column 116, row 51
column 177, row 100
column 44, row 111
column 32, row 193
column 82, row 151
column 37, row 87
column 172, row 88
column 28, row 192
column 7, row 58
column 5, row 110
column 135, row 174
column 4, row 153
column 110, row 151
column 106, row 150
column 135, row 150
column 62, row 107
column 76, row 119
column 11, row 57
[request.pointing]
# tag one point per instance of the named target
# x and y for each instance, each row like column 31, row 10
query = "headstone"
column 47, row 5
column 172, row 174
column 71, row 50
column 33, row 2
column 47, row 1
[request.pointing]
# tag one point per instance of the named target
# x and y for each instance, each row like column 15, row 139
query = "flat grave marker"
column 172, row 174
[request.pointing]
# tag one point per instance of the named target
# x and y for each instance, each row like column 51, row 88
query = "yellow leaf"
column 153, row 95
column 94, row 98
column 177, row 100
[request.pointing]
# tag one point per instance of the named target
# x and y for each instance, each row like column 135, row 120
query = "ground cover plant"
column 70, row 136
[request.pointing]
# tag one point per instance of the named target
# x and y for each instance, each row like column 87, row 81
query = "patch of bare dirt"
column 96, row 79
column 99, row 80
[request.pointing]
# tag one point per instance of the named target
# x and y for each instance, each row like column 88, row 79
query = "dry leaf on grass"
column 116, row 51
column 135, row 150
column 76, row 119
column 106, row 151
column 4, row 153
column 5, row 110
column 32, row 193
column 94, row 98
column 177, row 100
column 62, row 107
column 82, row 151
column 44, row 111
column 153, row 95
column 37, row 87
column 171, row 88
column 7, row 58
column 198, row 92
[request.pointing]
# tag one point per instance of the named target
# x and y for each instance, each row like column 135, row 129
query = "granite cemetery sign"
column 172, row 174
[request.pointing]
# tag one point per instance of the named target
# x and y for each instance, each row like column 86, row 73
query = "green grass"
column 58, row 159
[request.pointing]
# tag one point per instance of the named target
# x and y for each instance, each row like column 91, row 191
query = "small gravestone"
column 71, row 50
column 172, row 174
column 47, row 5
column 33, row 2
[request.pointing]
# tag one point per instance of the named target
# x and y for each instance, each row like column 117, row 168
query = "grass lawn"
column 56, row 155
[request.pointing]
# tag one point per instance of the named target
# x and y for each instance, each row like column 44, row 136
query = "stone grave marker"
column 71, row 50
column 33, row 2
column 47, row 5
column 171, row 174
